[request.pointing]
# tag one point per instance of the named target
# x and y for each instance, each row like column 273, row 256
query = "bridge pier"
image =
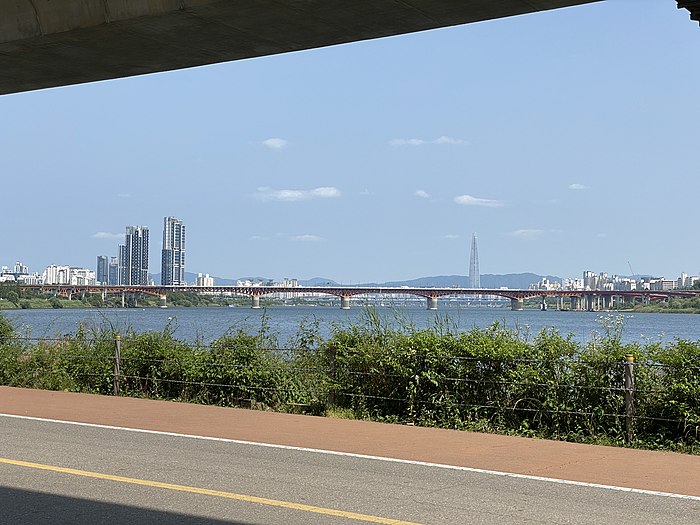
column 345, row 302
column 516, row 304
column 162, row 301
column 255, row 301
column 431, row 303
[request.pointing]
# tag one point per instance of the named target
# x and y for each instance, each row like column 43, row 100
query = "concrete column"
column 431, row 303
column 345, row 302
column 255, row 301
column 590, row 302
column 163, row 301
column 123, row 300
column 516, row 304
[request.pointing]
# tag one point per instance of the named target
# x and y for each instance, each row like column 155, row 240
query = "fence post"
column 629, row 398
column 117, row 362
column 332, row 374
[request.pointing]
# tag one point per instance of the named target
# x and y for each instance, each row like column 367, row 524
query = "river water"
column 206, row 324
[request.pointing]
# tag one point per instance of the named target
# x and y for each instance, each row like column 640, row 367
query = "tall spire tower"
column 474, row 280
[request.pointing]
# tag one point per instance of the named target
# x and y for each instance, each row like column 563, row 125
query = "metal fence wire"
column 625, row 398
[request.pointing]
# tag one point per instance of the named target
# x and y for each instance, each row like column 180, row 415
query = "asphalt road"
column 216, row 482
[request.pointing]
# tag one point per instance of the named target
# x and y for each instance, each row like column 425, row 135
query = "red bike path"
column 638, row 469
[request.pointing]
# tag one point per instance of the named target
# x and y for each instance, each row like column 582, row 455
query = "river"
column 206, row 324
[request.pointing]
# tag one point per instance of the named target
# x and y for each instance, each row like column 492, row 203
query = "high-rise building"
column 113, row 272
column 205, row 280
column 474, row 279
column 133, row 256
column 172, row 268
column 102, row 273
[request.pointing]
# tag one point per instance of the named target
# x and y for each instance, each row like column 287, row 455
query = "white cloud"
column 107, row 235
column 450, row 236
column 602, row 235
column 124, row 195
column 257, row 238
column 527, row 234
column 275, row 143
column 447, row 140
column 306, row 238
column 422, row 194
column 577, row 186
column 406, row 142
column 468, row 200
column 421, row 142
column 324, row 192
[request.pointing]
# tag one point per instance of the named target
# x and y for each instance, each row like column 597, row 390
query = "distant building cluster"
column 205, row 280
column 605, row 282
column 130, row 267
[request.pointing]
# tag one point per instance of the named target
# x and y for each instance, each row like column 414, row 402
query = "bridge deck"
column 63, row 42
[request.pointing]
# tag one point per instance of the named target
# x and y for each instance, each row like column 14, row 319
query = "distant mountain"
column 516, row 281
column 318, row 281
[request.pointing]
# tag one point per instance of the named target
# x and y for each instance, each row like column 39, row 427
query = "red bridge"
column 579, row 299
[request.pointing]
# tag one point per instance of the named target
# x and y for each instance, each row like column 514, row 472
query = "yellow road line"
column 210, row 492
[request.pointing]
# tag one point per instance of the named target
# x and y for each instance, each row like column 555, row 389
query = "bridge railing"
column 590, row 396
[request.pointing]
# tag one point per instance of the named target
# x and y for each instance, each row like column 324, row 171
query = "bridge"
column 578, row 299
column 53, row 43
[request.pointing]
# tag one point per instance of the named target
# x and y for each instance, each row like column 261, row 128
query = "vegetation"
column 495, row 379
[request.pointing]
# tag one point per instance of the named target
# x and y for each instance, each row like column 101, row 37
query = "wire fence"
column 620, row 398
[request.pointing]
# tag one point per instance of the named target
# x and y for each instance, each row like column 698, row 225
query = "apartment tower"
column 133, row 256
column 172, row 270
column 102, row 273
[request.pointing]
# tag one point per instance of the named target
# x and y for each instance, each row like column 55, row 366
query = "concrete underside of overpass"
column 49, row 43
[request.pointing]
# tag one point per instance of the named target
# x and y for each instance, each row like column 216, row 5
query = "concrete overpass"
column 49, row 43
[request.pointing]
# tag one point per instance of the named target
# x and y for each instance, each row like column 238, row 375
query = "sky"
column 567, row 140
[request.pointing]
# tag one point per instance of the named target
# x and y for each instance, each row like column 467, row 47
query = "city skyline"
column 565, row 138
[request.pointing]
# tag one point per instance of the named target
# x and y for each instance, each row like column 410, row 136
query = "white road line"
column 366, row 456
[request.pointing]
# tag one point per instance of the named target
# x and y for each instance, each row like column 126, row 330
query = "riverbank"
column 494, row 379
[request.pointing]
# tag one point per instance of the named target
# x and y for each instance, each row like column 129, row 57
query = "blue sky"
column 568, row 140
